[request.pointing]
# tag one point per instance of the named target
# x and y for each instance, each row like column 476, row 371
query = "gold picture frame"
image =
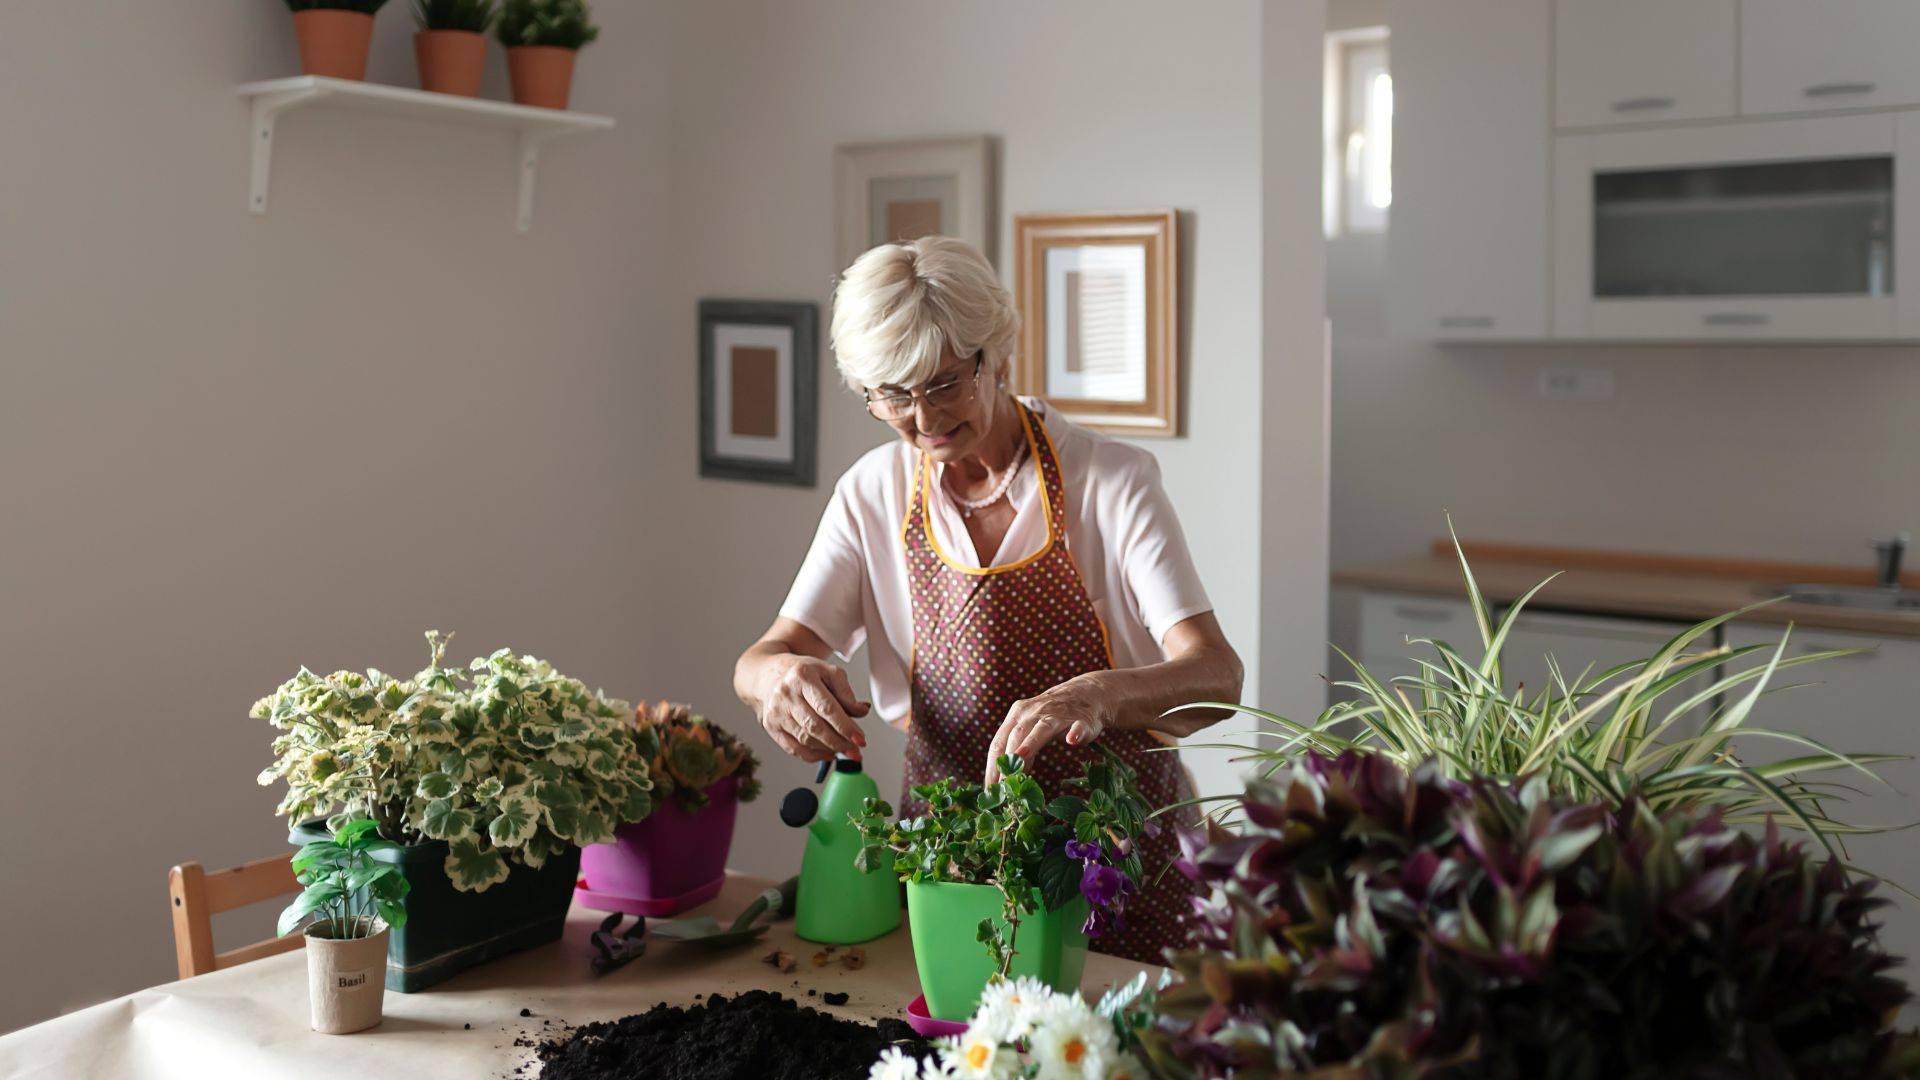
column 1099, row 299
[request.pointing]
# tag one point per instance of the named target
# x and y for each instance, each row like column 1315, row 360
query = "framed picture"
column 1100, row 317
column 889, row 191
column 759, row 406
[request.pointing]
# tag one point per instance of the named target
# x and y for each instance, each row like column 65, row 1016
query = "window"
column 1359, row 119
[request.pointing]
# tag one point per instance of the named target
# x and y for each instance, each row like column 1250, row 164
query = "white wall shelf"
column 534, row 127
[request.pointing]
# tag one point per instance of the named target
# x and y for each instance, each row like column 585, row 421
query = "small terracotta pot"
column 333, row 43
column 346, row 979
column 542, row 75
column 450, row 61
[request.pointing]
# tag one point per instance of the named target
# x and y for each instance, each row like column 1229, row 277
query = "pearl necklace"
column 969, row 507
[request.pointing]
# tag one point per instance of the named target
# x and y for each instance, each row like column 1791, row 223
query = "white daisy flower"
column 1074, row 1045
column 977, row 1057
column 894, row 1064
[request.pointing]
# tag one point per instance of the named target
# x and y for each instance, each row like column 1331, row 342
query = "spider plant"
column 1661, row 729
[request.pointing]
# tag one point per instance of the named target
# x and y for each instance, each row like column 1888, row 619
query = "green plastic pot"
column 449, row 931
column 954, row 966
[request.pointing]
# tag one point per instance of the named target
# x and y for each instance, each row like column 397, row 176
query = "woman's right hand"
column 807, row 706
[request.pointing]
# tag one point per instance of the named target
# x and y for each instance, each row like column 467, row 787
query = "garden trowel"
column 706, row 930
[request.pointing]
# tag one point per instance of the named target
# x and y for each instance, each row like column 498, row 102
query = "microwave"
column 1804, row 229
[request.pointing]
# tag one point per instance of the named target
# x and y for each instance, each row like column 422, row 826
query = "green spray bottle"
column 838, row 904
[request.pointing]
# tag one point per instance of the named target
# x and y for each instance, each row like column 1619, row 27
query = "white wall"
column 1096, row 106
column 231, row 445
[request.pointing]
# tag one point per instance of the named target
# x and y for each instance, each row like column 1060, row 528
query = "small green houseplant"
column 1002, row 882
column 451, row 44
column 489, row 777
column 349, row 901
column 542, row 38
column 1369, row 920
column 677, row 857
column 334, row 35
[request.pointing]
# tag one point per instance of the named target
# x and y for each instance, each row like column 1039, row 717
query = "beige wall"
column 234, row 445
column 231, row 445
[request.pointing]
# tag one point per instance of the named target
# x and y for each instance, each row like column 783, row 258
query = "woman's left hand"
column 1075, row 709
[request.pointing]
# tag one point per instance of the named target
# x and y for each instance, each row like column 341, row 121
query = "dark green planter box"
column 448, row 931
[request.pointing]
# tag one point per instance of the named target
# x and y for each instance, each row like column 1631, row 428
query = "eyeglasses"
column 948, row 394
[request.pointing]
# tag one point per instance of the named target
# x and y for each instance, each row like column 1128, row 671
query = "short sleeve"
column 826, row 593
column 1164, row 586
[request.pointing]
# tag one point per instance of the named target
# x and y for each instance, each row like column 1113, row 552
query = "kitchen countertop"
column 251, row 1020
column 1658, row 587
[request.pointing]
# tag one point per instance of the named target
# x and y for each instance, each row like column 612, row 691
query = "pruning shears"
column 617, row 950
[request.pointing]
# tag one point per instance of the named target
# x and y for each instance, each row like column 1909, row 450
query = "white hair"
column 899, row 305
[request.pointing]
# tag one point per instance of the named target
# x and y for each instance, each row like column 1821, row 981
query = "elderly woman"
column 1022, row 583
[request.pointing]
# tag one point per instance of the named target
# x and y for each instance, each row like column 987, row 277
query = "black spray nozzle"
column 798, row 808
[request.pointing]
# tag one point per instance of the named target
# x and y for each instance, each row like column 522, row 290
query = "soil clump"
column 757, row 1033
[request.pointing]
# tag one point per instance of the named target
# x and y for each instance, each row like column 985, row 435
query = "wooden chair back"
column 198, row 895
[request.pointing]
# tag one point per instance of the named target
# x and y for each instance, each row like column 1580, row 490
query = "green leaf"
column 437, row 785
column 475, row 868
column 515, row 823
column 442, row 821
column 314, row 898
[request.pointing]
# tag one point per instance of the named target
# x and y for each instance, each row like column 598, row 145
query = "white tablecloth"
column 251, row 1021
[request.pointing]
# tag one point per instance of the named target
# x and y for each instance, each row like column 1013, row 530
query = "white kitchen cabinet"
column 1784, row 230
column 1467, row 251
column 1387, row 624
column 1864, row 703
column 1797, row 56
column 1627, row 61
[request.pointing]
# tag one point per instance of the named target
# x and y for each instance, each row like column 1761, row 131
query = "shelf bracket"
column 267, row 107
column 530, row 143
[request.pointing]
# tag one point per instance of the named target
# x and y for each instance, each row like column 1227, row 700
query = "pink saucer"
column 606, row 901
column 919, row 1020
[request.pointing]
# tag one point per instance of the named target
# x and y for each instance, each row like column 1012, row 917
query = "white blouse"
column 1120, row 526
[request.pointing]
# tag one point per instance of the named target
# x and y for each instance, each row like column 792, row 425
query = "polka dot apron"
column 986, row 638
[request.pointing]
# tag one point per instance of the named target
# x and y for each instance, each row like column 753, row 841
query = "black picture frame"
column 802, row 320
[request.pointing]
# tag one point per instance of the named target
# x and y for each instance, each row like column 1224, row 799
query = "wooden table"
column 251, row 1021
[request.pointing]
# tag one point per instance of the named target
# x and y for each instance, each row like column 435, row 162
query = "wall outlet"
column 1576, row 384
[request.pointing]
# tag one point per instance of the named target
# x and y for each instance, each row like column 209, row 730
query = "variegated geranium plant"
column 507, row 760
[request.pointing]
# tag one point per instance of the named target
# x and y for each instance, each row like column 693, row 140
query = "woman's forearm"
column 1138, row 697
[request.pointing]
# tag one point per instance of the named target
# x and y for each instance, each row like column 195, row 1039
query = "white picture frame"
column 951, row 177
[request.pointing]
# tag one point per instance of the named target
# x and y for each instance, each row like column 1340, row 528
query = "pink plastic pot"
column 665, row 864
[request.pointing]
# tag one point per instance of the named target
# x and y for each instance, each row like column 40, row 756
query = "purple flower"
column 1103, row 885
column 1083, row 852
column 1101, row 922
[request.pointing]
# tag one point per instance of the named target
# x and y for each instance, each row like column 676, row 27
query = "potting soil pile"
column 753, row 1034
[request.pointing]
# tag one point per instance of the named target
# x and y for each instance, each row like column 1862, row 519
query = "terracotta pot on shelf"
column 450, row 61
column 333, row 43
column 542, row 75
column 346, row 977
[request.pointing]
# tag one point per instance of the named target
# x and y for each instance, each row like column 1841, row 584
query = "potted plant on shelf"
column 1002, row 867
column 334, row 35
column 542, row 38
column 349, row 902
column 451, row 44
column 488, row 778
column 677, row 857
